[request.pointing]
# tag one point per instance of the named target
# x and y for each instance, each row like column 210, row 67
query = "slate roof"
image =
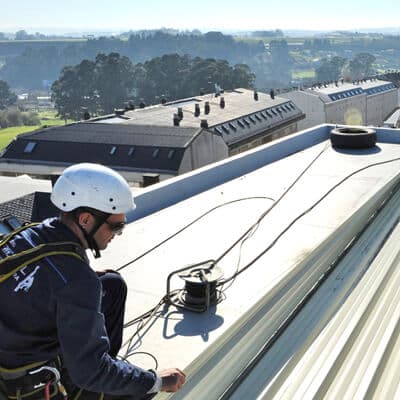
column 33, row 207
column 245, row 114
column 147, row 140
column 70, row 152
column 115, row 134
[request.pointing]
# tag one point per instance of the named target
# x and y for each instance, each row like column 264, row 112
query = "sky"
column 51, row 16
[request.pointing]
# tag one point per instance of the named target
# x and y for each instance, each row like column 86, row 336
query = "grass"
column 8, row 134
column 301, row 74
column 47, row 118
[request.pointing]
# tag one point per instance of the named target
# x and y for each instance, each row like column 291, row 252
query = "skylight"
column 29, row 147
column 113, row 150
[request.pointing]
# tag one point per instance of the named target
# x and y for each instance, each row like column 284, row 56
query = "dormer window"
column 156, row 152
column 171, row 154
column 30, row 147
column 113, row 150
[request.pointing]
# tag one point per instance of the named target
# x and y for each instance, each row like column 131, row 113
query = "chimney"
column 142, row 104
column 176, row 120
column 119, row 111
column 272, row 94
column 196, row 109
column 85, row 113
column 222, row 102
column 180, row 113
column 163, row 100
column 204, row 123
column 255, row 95
column 206, row 107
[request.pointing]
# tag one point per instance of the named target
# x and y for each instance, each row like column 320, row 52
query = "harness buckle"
column 57, row 377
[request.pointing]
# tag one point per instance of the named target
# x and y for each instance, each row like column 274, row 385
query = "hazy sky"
column 118, row 15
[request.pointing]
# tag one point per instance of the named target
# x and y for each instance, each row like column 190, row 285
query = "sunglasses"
column 116, row 228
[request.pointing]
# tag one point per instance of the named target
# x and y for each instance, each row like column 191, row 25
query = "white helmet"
column 94, row 186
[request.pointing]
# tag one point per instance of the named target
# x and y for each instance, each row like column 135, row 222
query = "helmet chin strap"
column 100, row 218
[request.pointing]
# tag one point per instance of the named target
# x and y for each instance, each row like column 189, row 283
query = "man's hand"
column 172, row 379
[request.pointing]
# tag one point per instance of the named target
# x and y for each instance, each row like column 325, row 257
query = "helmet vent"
column 73, row 193
column 114, row 208
column 64, row 204
column 111, row 199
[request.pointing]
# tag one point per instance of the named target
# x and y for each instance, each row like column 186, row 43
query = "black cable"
column 188, row 225
column 265, row 213
column 301, row 215
column 249, row 232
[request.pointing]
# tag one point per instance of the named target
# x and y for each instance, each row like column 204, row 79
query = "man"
column 59, row 316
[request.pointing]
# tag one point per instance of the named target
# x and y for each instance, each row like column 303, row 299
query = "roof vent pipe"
column 196, row 109
column 180, row 113
column 272, row 94
column 222, row 102
column 255, row 95
column 176, row 120
column 204, row 123
column 206, row 107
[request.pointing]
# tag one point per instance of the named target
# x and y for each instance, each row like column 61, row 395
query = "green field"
column 47, row 118
column 301, row 74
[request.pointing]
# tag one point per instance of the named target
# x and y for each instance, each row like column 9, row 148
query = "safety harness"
column 39, row 380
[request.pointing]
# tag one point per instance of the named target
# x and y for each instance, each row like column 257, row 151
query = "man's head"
column 97, row 199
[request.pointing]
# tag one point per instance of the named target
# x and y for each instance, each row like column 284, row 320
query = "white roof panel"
column 321, row 199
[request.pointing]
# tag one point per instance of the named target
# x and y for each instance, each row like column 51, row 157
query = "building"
column 366, row 102
column 295, row 245
column 157, row 142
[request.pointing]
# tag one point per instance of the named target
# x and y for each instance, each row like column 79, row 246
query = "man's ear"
column 84, row 218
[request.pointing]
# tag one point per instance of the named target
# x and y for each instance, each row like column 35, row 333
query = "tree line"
column 112, row 81
column 39, row 63
column 335, row 68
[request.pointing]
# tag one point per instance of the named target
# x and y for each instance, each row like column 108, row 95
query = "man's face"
column 113, row 226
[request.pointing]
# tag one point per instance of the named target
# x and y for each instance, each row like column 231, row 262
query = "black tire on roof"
column 353, row 138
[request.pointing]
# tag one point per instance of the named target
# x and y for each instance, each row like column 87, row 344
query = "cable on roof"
column 238, row 272
column 189, row 224
column 152, row 313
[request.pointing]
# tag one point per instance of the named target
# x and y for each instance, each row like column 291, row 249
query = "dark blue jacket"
column 52, row 308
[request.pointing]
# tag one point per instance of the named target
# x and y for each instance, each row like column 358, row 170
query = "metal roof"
column 339, row 91
column 314, row 311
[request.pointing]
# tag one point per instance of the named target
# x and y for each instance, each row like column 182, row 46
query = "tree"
column 22, row 35
column 114, row 81
column 361, row 65
column 75, row 89
column 95, row 87
column 281, row 62
column 330, row 70
column 7, row 98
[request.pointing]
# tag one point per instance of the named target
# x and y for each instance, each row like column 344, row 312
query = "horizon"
column 252, row 15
